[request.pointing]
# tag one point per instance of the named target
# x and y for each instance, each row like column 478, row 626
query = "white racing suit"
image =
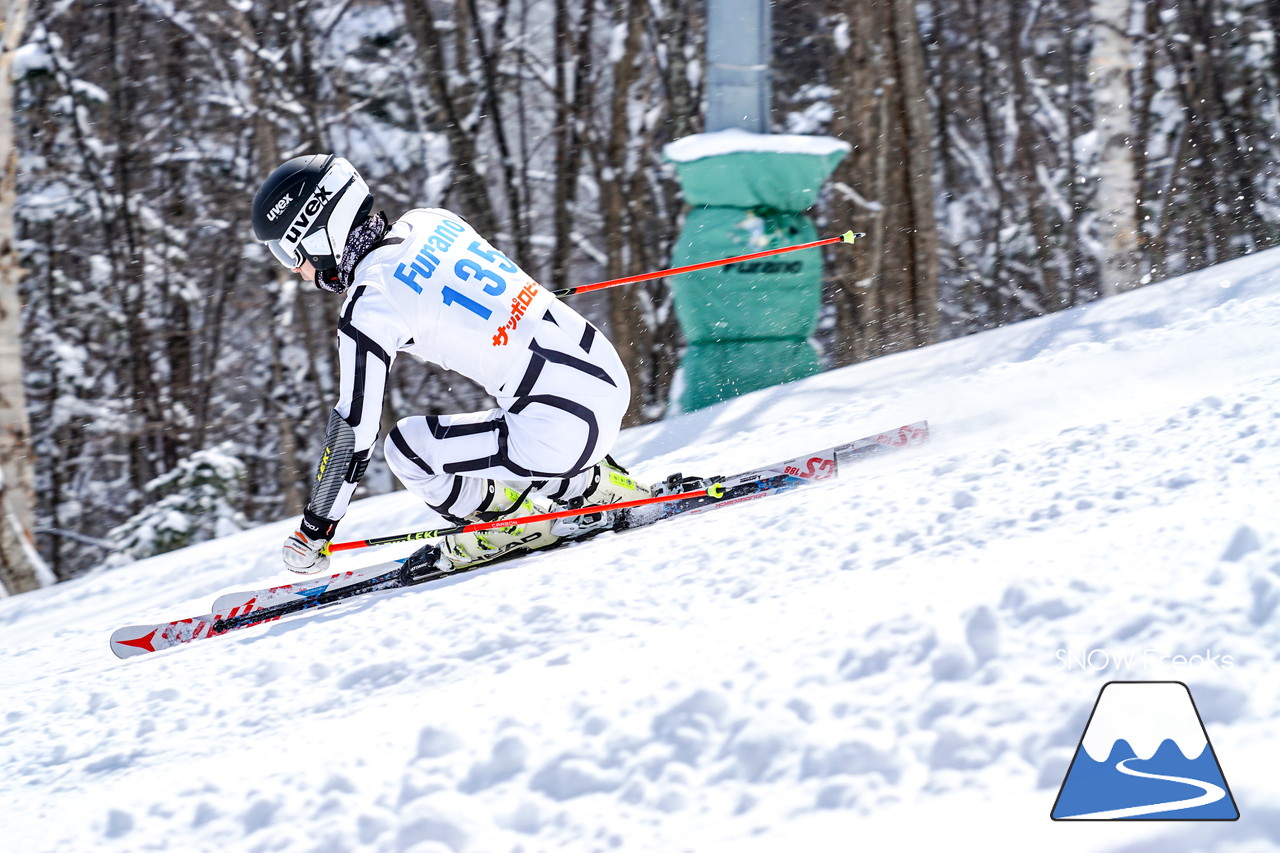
column 437, row 290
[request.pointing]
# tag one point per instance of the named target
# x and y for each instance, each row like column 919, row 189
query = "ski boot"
column 604, row 483
column 459, row 551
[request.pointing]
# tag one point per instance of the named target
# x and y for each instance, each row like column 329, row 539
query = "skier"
column 429, row 285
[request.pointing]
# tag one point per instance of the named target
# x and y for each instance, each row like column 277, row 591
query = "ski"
column 236, row 610
column 304, row 589
column 783, row 476
column 748, row 485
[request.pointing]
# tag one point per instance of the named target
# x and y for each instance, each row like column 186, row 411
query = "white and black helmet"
column 306, row 209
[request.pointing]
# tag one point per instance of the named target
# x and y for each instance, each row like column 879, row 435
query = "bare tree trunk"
column 474, row 202
column 1117, row 185
column 17, row 492
column 918, row 137
column 1273, row 15
column 637, row 204
column 626, row 321
column 887, row 296
column 266, row 155
column 572, row 48
column 490, row 60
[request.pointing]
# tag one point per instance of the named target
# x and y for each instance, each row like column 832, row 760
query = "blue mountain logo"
column 1145, row 755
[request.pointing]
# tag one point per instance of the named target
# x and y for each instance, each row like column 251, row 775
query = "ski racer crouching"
column 430, row 286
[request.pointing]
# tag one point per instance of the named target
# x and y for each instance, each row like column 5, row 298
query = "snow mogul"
column 429, row 285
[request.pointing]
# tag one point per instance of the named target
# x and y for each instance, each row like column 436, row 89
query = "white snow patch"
column 892, row 661
column 737, row 141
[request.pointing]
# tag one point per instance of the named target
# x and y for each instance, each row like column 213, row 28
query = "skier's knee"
column 401, row 459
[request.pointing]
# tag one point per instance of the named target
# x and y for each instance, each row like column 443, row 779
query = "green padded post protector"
column 748, row 324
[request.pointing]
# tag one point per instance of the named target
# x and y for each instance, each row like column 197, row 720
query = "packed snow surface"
column 904, row 659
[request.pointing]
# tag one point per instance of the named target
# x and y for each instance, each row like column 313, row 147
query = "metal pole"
column 846, row 237
column 739, row 52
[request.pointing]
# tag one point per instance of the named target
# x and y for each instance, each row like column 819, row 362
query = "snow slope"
column 902, row 660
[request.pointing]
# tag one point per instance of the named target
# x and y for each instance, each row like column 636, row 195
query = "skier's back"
column 428, row 285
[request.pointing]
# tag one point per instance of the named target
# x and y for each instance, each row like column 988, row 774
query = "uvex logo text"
column 280, row 207
column 315, row 204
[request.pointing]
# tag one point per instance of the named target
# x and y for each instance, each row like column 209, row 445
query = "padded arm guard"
column 339, row 471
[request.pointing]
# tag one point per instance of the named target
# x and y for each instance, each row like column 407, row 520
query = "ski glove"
column 305, row 550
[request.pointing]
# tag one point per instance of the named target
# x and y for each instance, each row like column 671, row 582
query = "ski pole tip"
column 850, row 236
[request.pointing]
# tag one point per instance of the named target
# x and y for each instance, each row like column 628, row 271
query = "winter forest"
column 1011, row 158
